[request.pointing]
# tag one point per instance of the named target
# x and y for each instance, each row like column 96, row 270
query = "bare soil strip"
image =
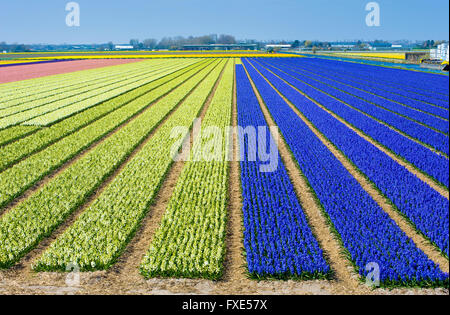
column 421, row 242
column 358, row 110
column 342, row 268
column 411, row 168
column 235, row 270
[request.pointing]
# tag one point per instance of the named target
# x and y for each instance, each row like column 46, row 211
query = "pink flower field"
column 30, row 71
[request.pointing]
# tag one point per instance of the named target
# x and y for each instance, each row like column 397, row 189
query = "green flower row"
column 14, row 133
column 27, row 102
column 48, row 113
column 52, row 85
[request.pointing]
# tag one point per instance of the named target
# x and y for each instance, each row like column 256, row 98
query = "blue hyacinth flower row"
column 277, row 238
column 366, row 231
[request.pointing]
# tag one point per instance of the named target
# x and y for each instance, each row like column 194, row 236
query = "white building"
column 343, row 45
column 441, row 53
column 124, row 47
column 281, row 47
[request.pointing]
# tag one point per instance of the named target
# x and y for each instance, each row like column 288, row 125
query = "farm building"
column 278, row 47
column 440, row 53
column 124, row 47
column 343, row 44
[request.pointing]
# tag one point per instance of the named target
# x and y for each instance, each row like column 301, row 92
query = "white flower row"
column 191, row 239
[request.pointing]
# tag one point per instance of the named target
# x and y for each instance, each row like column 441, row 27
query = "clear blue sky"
column 43, row 21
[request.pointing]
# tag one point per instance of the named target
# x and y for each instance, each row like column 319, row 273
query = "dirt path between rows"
column 235, row 270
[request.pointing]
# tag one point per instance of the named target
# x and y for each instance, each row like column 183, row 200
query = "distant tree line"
column 13, row 47
column 432, row 44
column 179, row 41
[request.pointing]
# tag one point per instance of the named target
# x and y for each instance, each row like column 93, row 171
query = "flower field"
column 26, row 69
column 301, row 169
column 384, row 55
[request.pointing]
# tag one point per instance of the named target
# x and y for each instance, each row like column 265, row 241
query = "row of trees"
column 13, row 47
column 319, row 45
column 179, row 41
column 150, row 43
column 432, row 44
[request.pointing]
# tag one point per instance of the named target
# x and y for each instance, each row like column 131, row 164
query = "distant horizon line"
column 238, row 41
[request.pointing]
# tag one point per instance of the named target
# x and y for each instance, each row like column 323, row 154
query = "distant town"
column 229, row 42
